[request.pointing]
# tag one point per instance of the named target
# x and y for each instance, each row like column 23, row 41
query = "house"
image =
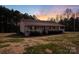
column 28, row 26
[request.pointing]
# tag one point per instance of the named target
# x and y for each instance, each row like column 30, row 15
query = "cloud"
column 46, row 12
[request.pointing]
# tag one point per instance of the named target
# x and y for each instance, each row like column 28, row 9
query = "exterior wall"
column 62, row 29
column 22, row 27
column 27, row 29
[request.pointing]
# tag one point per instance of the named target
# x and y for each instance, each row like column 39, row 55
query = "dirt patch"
column 62, row 40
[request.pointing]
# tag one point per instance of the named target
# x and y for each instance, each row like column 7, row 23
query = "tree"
column 68, row 12
column 52, row 20
column 57, row 18
column 34, row 17
column 10, row 18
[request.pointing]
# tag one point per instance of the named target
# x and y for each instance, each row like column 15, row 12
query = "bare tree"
column 77, row 13
column 68, row 12
column 57, row 18
column 34, row 16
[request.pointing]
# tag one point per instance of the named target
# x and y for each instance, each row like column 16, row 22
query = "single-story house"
column 28, row 25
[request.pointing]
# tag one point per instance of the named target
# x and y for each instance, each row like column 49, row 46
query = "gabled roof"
column 30, row 22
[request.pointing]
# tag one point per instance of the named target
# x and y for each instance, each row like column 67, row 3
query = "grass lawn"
column 47, row 48
column 63, row 43
column 66, row 43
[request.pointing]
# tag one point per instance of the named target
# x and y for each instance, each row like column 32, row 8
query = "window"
column 61, row 27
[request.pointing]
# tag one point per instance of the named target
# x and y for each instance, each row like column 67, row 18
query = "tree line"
column 70, row 20
column 10, row 18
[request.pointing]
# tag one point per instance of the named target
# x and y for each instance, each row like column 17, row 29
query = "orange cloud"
column 45, row 17
column 52, row 12
column 48, row 15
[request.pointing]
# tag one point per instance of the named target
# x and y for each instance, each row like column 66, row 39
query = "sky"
column 43, row 12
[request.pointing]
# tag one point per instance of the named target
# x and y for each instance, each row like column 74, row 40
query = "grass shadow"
column 20, row 35
column 16, row 35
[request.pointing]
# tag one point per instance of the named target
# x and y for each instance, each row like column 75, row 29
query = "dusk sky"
column 43, row 12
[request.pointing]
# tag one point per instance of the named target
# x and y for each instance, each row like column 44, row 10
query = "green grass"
column 15, row 40
column 63, row 43
column 11, row 40
column 72, row 37
column 75, row 41
column 2, row 41
column 41, row 49
column 4, row 45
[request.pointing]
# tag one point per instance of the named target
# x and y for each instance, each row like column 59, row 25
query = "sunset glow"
column 43, row 12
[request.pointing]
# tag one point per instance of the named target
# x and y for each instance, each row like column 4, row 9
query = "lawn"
column 66, row 43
